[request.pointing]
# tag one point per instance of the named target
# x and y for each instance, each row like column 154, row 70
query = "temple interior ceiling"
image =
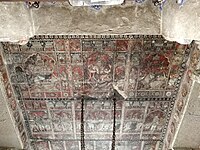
column 50, row 76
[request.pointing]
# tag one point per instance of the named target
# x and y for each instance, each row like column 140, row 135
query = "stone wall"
column 21, row 23
column 180, row 23
column 12, row 128
column 174, row 22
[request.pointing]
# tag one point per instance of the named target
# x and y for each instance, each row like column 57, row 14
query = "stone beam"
column 127, row 19
column 188, row 134
column 181, row 23
column 12, row 124
column 174, row 22
column 15, row 22
column 187, row 91
column 9, row 136
column 18, row 23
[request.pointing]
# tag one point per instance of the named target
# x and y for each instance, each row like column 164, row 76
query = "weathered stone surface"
column 188, row 135
column 18, row 23
column 15, row 22
column 127, row 19
column 181, row 23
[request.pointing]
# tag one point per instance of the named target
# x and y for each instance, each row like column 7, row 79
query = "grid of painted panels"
column 95, row 145
column 61, row 119
column 45, row 73
column 61, row 68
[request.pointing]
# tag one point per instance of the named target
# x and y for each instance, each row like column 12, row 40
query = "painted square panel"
column 53, row 94
column 48, row 45
column 42, row 145
column 35, row 105
column 132, row 127
column 75, row 45
column 61, row 114
column 122, row 45
column 92, row 45
column 13, row 104
column 61, row 125
column 135, row 104
column 40, row 126
column 36, row 94
column 89, row 145
column 33, row 115
column 58, row 145
column 109, row 45
column 134, row 114
column 103, row 145
column 63, row 58
column 63, row 72
column 155, row 117
column 150, row 145
column 78, row 73
column 61, row 105
column 127, row 145
column 76, row 58
column 60, row 45
column 72, row 145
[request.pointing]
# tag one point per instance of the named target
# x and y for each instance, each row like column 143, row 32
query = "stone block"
column 127, row 19
column 15, row 22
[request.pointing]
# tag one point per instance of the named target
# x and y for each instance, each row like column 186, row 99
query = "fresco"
column 50, row 73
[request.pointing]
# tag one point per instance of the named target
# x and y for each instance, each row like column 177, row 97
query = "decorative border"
column 14, row 107
column 167, row 99
column 49, row 37
column 182, row 98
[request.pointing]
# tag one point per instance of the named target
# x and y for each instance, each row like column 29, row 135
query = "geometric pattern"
column 50, row 73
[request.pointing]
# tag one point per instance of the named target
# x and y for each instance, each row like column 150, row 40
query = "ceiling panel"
column 50, row 74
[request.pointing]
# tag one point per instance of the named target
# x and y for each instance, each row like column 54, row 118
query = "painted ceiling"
column 50, row 74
